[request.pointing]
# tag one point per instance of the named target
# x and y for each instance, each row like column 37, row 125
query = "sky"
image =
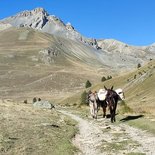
column 129, row 21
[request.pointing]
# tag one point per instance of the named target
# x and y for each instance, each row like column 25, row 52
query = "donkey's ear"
column 112, row 87
column 105, row 87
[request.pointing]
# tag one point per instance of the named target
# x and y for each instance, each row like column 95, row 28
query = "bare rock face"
column 47, row 55
column 39, row 19
column 69, row 26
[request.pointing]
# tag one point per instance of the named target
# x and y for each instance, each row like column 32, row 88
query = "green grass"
column 138, row 121
column 144, row 124
column 135, row 153
column 118, row 146
column 63, row 138
column 124, row 108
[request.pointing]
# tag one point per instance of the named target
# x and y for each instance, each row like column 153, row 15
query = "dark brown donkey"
column 112, row 98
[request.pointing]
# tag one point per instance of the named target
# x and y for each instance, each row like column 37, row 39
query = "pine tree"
column 103, row 79
column 139, row 65
column 88, row 84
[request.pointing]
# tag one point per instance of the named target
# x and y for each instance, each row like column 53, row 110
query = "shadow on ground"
column 128, row 118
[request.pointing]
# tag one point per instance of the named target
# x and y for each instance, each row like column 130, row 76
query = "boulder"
column 43, row 104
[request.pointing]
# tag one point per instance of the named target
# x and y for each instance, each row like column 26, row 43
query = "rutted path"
column 103, row 138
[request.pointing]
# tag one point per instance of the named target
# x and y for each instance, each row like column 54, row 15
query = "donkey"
column 101, row 100
column 112, row 99
column 92, row 98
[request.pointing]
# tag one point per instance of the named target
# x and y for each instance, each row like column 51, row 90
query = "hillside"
column 138, row 86
column 41, row 64
column 42, row 56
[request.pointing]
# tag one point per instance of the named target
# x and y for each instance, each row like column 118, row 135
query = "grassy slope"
column 22, row 77
column 28, row 130
column 139, row 91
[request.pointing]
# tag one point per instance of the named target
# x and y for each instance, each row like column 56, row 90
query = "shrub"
column 25, row 101
column 88, row 84
column 150, row 59
column 84, row 98
column 125, row 108
column 103, row 79
column 34, row 100
column 139, row 65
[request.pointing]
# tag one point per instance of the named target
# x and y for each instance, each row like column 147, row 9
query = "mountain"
column 108, row 49
column 39, row 63
column 39, row 19
column 42, row 55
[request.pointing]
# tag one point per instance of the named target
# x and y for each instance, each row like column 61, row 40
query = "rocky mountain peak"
column 40, row 10
column 37, row 11
column 69, row 26
column 39, row 19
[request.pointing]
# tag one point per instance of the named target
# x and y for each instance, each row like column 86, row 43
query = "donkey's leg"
column 104, row 112
column 112, row 116
column 115, row 111
column 95, row 110
column 91, row 111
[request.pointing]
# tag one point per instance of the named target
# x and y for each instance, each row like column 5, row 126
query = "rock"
column 47, row 55
column 69, row 26
column 43, row 104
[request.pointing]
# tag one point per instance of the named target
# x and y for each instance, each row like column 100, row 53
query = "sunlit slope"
column 139, row 88
column 34, row 63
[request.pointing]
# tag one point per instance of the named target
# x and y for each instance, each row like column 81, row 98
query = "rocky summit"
column 39, row 19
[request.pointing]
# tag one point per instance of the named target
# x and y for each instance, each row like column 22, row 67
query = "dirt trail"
column 100, row 137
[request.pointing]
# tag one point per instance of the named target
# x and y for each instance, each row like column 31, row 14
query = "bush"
column 103, row 79
column 88, row 84
column 84, row 98
column 139, row 65
column 125, row 108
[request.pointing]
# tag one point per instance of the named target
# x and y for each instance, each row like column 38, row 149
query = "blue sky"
column 129, row 21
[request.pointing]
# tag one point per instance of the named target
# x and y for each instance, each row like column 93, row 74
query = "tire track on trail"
column 100, row 137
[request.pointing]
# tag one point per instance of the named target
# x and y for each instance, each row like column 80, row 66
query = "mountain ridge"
column 105, row 50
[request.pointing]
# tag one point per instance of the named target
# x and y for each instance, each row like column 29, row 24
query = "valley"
column 42, row 57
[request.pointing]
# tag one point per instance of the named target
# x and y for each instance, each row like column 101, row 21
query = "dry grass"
column 139, row 92
column 22, row 76
column 28, row 130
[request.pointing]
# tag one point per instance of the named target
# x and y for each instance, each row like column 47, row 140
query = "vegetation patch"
column 28, row 130
column 135, row 153
column 116, row 147
column 144, row 124
column 124, row 108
